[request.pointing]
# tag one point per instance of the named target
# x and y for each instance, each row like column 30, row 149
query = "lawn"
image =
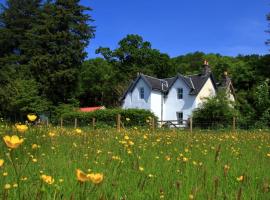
column 135, row 164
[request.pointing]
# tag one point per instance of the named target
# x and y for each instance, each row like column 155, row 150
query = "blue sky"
column 177, row 27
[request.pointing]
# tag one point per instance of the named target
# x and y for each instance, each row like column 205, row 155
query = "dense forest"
column 43, row 63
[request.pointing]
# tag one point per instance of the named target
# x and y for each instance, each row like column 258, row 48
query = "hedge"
column 129, row 117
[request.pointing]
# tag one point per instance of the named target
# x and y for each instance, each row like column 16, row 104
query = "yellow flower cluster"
column 94, row 178
column 47, row 179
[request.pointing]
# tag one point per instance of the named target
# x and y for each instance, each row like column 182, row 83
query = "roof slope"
column 194, row 82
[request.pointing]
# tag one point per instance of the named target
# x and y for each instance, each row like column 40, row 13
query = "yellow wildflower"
column 81, row 176
column 141, row 168
column 1, row 162
column 21, row 128
column 126, row 137
column 34, row 146
column 95, row 178
column 13, row 142
column 47, row 179
column 185, row 159
column 31, row 117
column 268, row 154
column 7, row 186
column 15, row 185
column 34, row 160
column 52, row 134
column 5, row 174
column 77, row 130
column 240, row 178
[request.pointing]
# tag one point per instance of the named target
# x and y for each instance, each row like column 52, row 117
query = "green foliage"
column 21, row 97
column 262, row 103
column 96, row 82
column 215, row 111
column 42, row 42
column 129, row 117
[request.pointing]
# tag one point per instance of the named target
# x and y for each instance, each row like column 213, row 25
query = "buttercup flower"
column 21, row 128
column 81, row 176
column 52, row 134
column 77, row 130
column 240, row 178
column 47, row 179
column 1, row 162
column 95, row 178
column 13, row 142
column 31, row 117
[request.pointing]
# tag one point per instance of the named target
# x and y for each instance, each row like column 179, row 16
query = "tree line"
column 43, row 63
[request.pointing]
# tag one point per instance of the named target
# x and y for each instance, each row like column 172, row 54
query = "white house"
column 173, row 98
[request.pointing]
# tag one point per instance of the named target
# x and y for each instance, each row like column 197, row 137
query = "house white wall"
column 133, row 100
column 174, row 105
column 156, row 103
column 207, row 90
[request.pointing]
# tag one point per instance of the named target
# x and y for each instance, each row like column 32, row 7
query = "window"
column 179, row 93
column 142, row 93
column 180, row 117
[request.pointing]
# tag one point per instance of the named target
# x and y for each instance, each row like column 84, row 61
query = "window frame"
column 180, row 117
column 180, row 93
column 142, row 93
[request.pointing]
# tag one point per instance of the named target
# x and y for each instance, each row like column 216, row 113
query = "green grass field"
column 136, row 164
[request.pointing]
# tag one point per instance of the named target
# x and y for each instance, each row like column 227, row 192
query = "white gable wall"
column 133, row 100
column 174, row 105
column 208, row 90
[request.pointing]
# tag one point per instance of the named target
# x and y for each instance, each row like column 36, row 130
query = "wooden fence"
column 184, row 124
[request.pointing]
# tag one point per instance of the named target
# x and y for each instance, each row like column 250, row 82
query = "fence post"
column 118, row 122
column 234, row 120
column 75, row 123
column 61, row 122
column 93, row 122
column 190, row 124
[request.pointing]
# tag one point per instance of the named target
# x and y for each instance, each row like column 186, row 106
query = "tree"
column 132, row 56
column 57, row 48
column 16, row 18
column 262, row 103
column 215, row 111
column 97, row 83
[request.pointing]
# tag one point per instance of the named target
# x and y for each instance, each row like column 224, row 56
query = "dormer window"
column 179, row 93
column 142, row 93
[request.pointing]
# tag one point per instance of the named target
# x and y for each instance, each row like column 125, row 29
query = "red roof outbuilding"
column 91, row 109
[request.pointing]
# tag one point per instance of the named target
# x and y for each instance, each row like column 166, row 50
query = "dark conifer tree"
column 57, row 48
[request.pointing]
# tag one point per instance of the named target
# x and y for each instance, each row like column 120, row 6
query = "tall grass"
column 138, row 164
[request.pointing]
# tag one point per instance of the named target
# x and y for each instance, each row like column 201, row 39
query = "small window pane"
column 142, row 93
column 180, row 93
column 180, row 117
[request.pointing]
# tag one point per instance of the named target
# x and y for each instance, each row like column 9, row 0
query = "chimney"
column 226, row 80
column 206, row 68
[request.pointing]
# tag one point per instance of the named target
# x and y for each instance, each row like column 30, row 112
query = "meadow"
column 135, row 163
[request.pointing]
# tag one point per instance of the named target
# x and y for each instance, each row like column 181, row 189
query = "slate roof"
column 194, row 82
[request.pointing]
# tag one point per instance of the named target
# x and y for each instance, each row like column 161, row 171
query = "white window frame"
column 142, row 93
column 180, row 117
column 179, row 93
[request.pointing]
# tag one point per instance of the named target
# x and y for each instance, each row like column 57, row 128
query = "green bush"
column 215, row 112
column 129, row 117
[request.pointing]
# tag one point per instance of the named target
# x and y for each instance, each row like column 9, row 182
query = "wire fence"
column 121, row 123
